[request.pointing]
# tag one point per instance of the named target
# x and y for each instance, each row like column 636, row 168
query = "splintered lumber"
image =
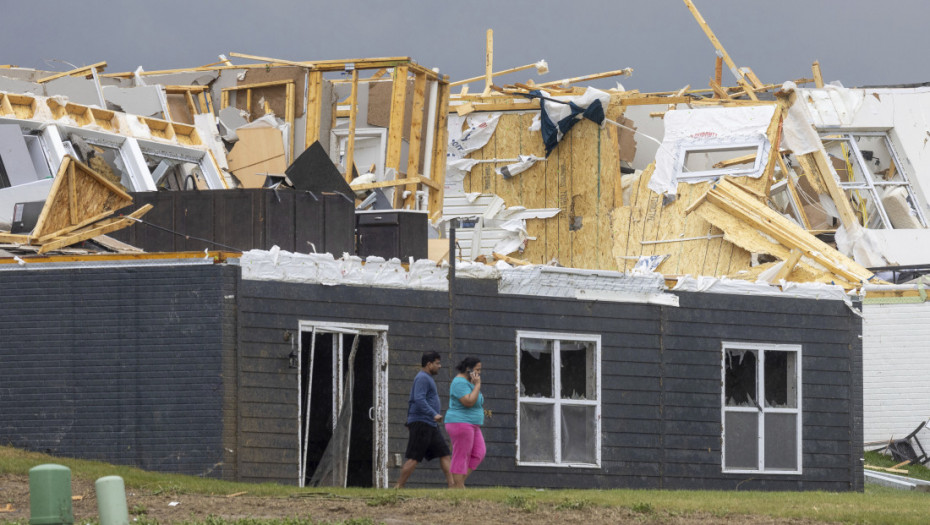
column 510, row 260
column 541, row 68
column 719, row 47
column 747, row 209
column 79, row 196
column 818, row 76
column 489, row 62
column 86, row 70
column 564, row 82
column 89, row 232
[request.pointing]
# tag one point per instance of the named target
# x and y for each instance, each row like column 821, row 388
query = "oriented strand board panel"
column 78, row 197
column 581, row 177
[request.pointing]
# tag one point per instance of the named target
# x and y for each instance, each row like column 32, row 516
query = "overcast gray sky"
column 859, row 42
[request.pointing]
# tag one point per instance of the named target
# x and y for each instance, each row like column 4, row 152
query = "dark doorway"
column 325, row 362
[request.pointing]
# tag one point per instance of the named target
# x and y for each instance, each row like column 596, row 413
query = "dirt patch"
column 386, row 507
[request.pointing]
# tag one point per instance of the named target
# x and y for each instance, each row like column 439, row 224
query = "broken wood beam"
column 720, row 50
column 510, row 260
column 744, row 159
column 541, row 68
column 77, row 71
column 818, row 76
column 618, row 72
column 101, row 228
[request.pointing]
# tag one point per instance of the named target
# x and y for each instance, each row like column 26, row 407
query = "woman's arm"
column 471, row 398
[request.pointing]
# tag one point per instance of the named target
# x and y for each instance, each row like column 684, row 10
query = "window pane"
column 537, row 433
column 535, row 368
column 781, row 443
column 741, row 440
column 721, row 160
column 781, row 379
column 578, row 434
column 577, row 370
column 740, row 378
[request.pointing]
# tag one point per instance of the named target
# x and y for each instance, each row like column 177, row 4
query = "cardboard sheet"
column 258, row 151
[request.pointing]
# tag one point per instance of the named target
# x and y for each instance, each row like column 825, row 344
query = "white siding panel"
column 896, row 366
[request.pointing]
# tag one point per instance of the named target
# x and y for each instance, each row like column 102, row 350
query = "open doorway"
column 343, row 405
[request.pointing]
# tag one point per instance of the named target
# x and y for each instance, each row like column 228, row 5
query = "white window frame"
column 761, row 409
column 337, row 148
column 870, row 185
column 556, row 400
column 380, row 412
column 682, row 174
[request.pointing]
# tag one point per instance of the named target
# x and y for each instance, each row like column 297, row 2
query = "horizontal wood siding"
column 660, row 372
column 120, row 364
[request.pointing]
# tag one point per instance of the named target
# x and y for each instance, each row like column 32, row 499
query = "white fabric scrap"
column 797, row 130
column 832, row 105
column 558, row 112
column 526, row 162
column 707, row 127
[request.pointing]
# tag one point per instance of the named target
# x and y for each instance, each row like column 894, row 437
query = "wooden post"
column 818, row 76
column 440, row 142
column 718, row 71
column 396, row 125
column 489, row 63
column 353, row 117
column 314, row 102
column 416, row 136
column 719, row 47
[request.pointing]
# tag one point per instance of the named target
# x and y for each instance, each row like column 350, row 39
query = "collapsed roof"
column 777, row 182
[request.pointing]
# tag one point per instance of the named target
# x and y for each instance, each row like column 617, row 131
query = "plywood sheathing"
column 78, row 197
column 581, row 177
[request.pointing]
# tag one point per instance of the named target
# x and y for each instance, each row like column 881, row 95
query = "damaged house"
column 672, row 297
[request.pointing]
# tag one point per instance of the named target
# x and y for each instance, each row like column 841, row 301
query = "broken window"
column 761, row 408
column 172, row 170
column 873, row 179
column 558, row 407
column 706, row 161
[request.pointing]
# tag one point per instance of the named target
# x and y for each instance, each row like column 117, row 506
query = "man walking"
column 423, row 418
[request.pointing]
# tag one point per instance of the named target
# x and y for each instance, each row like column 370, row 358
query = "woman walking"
column 464, row 419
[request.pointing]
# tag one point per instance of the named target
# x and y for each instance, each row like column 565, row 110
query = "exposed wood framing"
column 314, row 107
column 416, row 136
column 89, row 232
column 290, row 101
column 81, row 71
column 489, row 62
column 749, row 211
column 719, row 47
column 440, row 141
column 353, row 116
column 818, row 76
column 607, row 74
column 396, row 125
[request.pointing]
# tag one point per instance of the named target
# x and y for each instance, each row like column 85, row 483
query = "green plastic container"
column 50, row 495
column 111, row 501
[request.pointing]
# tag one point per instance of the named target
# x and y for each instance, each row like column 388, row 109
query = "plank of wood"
column 719, row 91
column 719, row 47
column 489, row 61
column 396, row 124
column 76, row 71
column 14, row 238
column 440, row 143
column 793, row 190
column 353, row 118
column 103, row 227
column 606, row 74
column 314, row 107
column 415, row 145
column 756, row 83
column 901, row 464
column 788, row 266
column 886, row 469
column 511, row 260
column 744, row 159
column 818, row 76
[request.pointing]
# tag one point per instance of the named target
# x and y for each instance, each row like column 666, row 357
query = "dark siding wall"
column 118, row 364
column 660, row 379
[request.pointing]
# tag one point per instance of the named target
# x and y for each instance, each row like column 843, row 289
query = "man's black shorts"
column 425, row 441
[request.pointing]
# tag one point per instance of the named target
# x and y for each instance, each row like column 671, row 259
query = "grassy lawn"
column 875, row 505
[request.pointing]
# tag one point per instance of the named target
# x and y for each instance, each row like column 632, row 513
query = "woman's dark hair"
column 467, row 364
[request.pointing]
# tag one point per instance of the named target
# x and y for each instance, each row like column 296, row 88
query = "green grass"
column 876, row 505
column 881, row 460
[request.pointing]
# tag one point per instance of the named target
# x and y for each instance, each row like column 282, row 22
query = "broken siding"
column 116, row 364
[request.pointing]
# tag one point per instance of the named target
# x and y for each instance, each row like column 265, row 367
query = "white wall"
column 896, row 369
